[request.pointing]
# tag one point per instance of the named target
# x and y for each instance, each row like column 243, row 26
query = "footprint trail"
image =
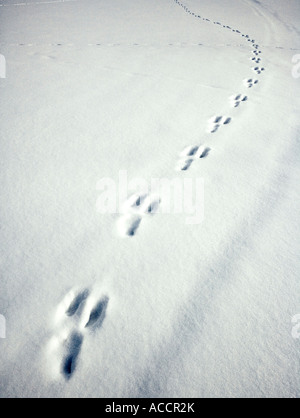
column 139, row 206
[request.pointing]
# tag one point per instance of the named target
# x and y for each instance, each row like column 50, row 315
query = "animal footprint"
column 76, row 302
column 235, row 101
column 128, row 224
column 216, row 121
column 79, row 312
column 249, row 82
column 258, row 70
column 190, row 154
column 97, row 313
column 256, row 52
column 256, row 60
column 72, row 347
column 135, row 209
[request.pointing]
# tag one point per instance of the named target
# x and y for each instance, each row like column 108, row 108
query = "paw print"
column 216, row 121
column 80, row 312
column 235, row 101
column 256, row 52
column 256, row 60
column 258, row 70
column 190, row 154
column 136, row 208
column 250, row 82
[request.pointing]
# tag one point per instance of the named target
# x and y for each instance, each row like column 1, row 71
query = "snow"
column 143, row 303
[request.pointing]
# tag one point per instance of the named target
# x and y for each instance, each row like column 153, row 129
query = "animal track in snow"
column 216, row 121
column 256, row 52
column 135, row 209
column 128, row 224
column 235, row 101
column 72, row 347
column 249, row 82
column 256, row 60
column 79, row 312
column 190, row 154
column 258, row 70
column 76, row 301
column 97, row 313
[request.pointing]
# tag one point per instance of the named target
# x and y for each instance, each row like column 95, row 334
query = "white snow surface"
column 94, row 87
